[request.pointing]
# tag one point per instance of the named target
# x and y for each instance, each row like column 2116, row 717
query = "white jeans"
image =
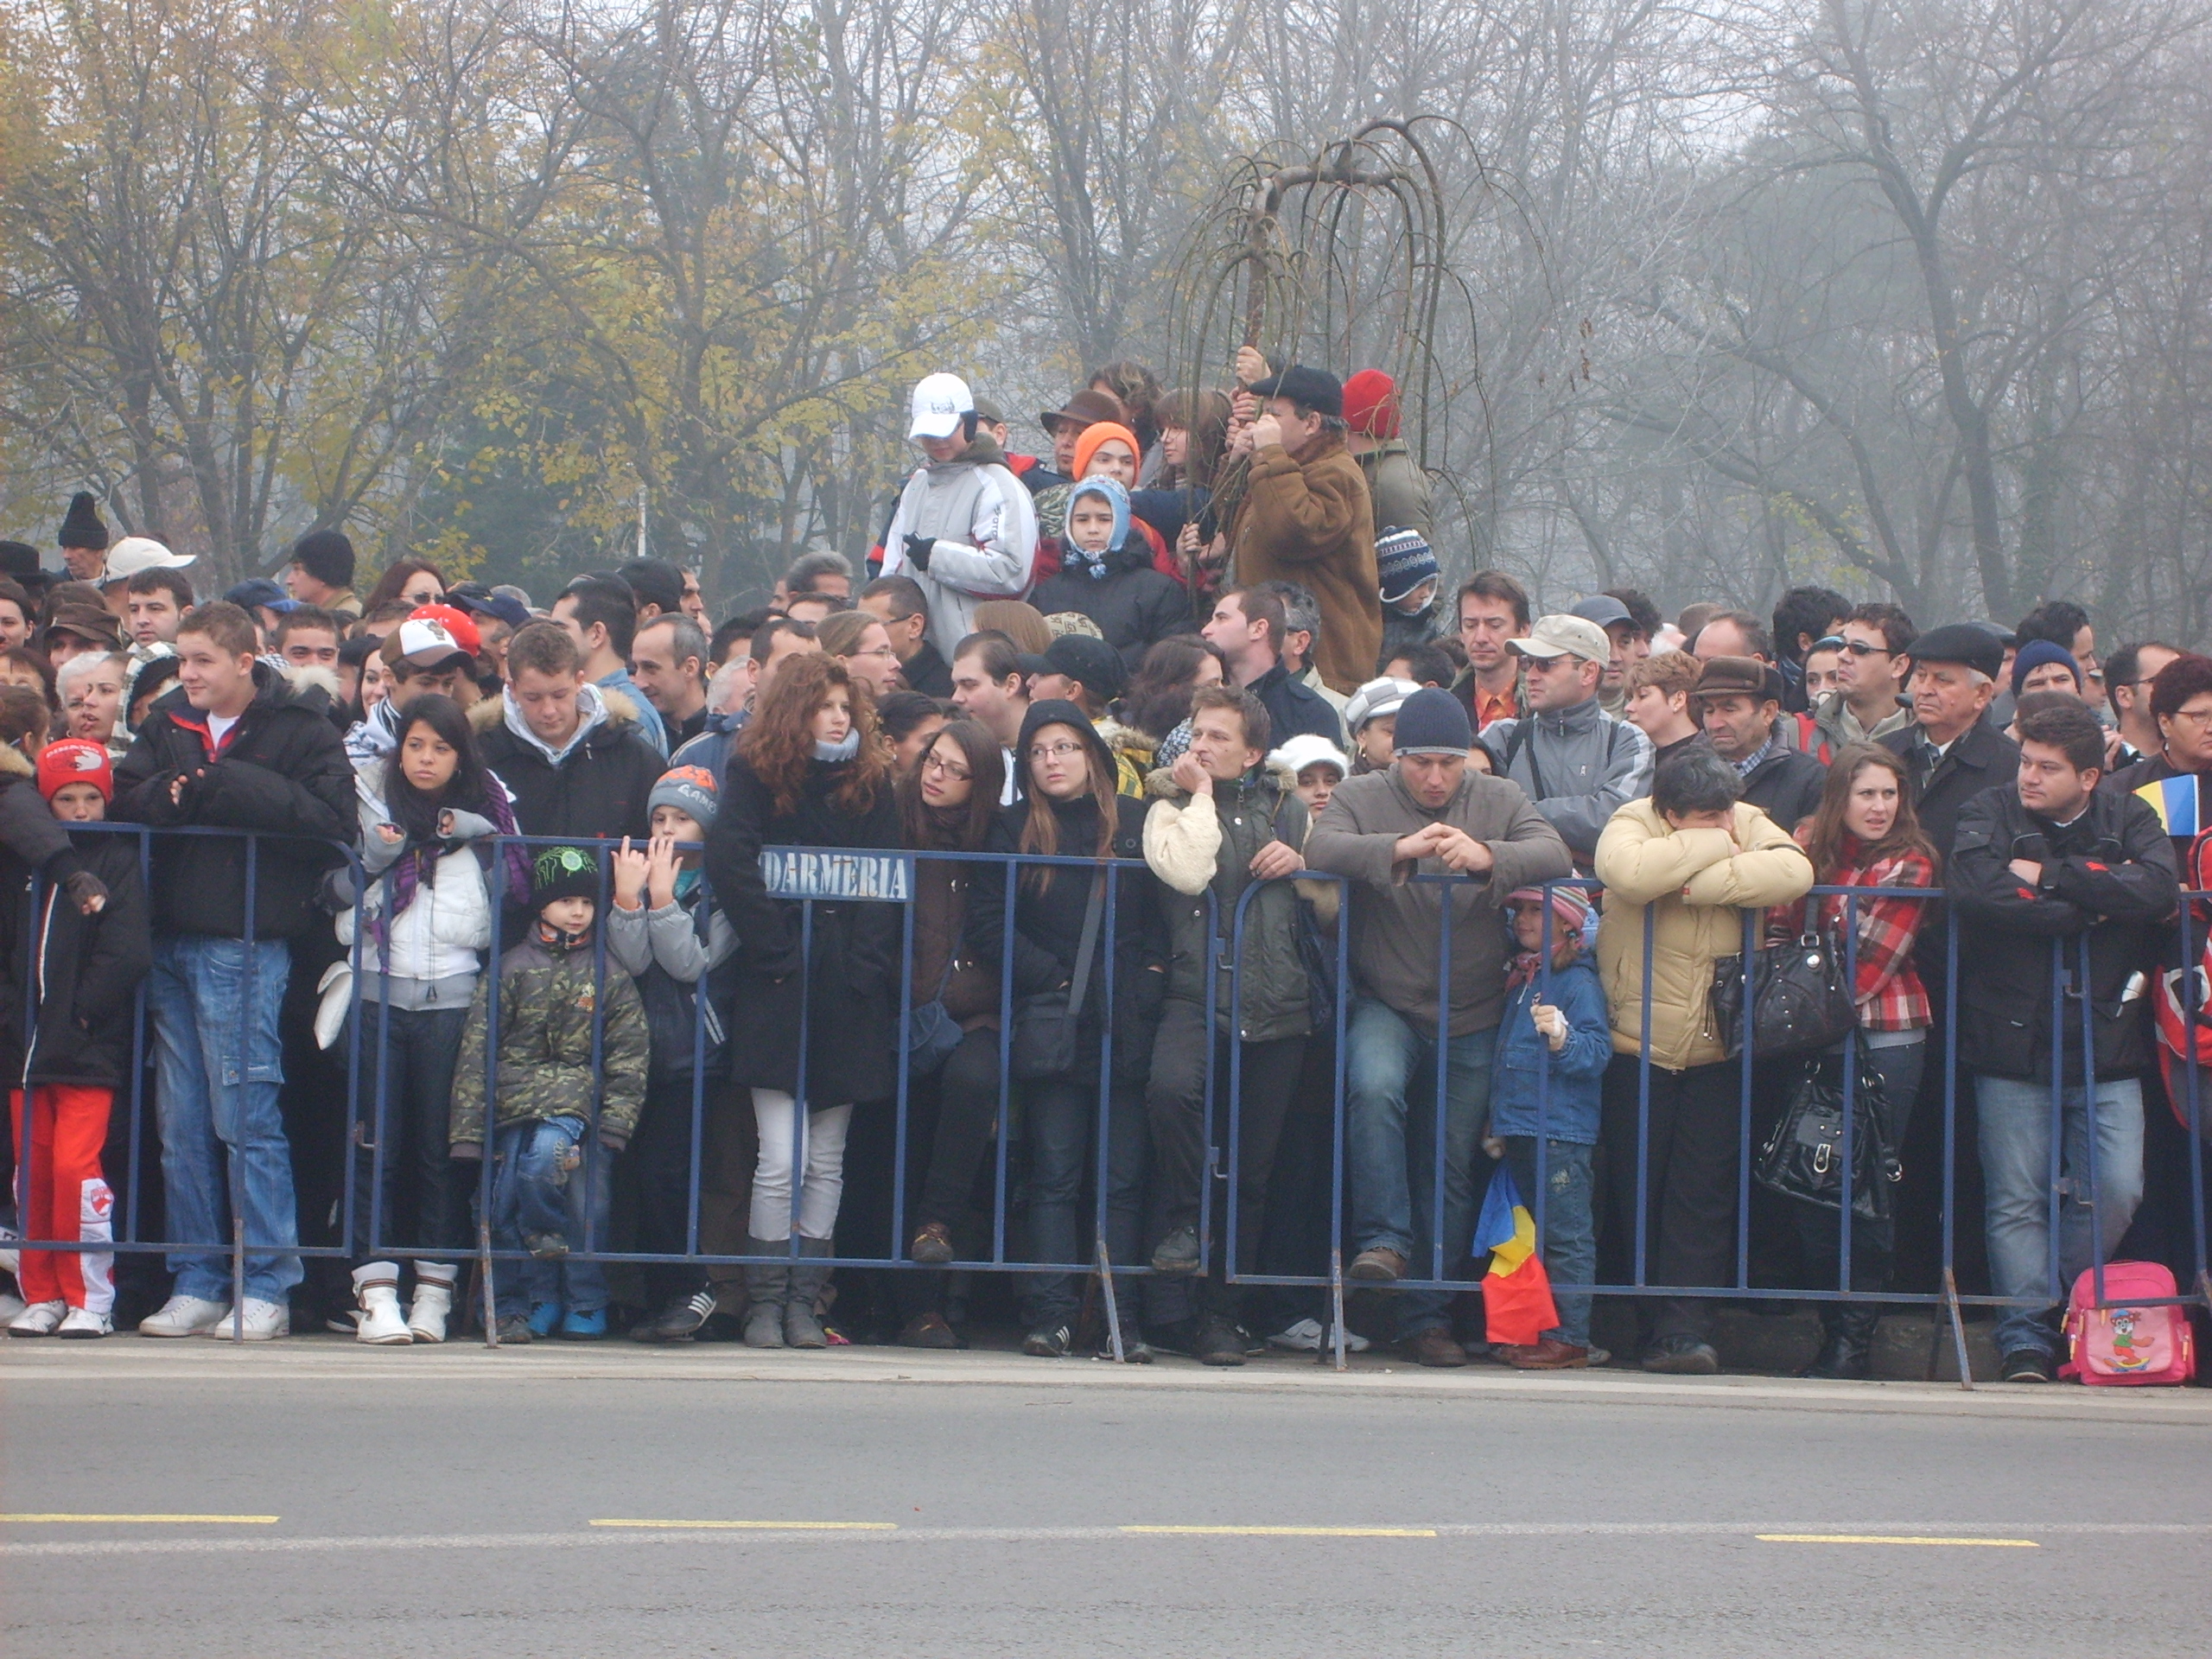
column 823, row 1184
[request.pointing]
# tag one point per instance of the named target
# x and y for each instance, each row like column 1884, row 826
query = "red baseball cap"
column 459, row 623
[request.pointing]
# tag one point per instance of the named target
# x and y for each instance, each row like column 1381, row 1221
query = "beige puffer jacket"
column 1696, row 884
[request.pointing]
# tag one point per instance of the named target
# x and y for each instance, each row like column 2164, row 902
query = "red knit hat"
column 76, row 761
column 1371, row 403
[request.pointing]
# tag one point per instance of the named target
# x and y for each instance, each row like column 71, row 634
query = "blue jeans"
column 545, row 1181
column 1567, row 1236
column 219, row 1064
column 1391, row 1144
column 2015, row 1128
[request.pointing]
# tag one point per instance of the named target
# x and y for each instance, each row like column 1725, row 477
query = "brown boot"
column 1546, row 1354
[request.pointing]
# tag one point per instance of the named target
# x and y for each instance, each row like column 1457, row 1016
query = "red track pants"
column 68, row 1127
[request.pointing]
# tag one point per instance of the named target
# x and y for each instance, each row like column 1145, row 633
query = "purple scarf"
column 413, row 868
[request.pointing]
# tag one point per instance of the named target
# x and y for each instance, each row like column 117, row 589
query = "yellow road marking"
column 1297, row 1532
column 162, row 1520
column 761, row 1527
column 1854, row 1538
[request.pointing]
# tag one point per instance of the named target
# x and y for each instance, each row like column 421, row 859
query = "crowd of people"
column 496, row 873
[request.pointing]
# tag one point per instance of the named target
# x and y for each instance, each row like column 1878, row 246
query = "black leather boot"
column 1847, row 1352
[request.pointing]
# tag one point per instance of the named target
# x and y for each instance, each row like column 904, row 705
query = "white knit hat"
column 1309, row 749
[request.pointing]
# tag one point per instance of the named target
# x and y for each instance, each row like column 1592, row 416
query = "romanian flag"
column 2174, row 799
column 1517, row 1304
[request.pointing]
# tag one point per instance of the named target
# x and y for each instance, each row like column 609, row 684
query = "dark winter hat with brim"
column 1967, row 643
column 81, row 526
column 1084, row 408
column 1431, row 721
column 18, row 560
column 1739, row 677
column 562, row 872
column 1315, row 389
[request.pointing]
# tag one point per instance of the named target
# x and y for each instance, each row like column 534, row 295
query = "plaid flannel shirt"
column 1891, row 995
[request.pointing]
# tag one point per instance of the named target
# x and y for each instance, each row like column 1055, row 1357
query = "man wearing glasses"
column 1869, row 702
column 1576, row 763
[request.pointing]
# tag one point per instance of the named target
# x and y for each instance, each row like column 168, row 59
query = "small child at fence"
column 665, row 931
column 1570, row 1024
column 549, row 1192
column 84, row 969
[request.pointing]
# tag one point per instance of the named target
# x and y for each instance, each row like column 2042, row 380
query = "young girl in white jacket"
column 426, row 916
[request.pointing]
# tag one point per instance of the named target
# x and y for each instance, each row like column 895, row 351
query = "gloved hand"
column 918, row 549
column 89, row 892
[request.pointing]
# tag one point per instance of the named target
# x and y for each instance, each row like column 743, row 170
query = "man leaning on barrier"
column 235, row 748
column 1222, row 819
column 2049, row 875
column 1432, row 815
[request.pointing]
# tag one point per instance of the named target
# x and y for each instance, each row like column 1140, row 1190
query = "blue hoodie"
column 1571, row 1105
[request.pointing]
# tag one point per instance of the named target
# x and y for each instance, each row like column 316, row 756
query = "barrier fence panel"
column 1116, row 1250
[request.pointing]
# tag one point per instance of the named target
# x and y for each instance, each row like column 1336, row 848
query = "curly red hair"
column 779, row 740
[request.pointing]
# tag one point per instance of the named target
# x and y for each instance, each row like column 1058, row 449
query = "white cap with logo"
column 939, row 402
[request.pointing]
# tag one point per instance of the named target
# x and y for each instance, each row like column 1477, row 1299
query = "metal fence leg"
column 237, row 1275
column 2205, row 1287
column 484, row 1275
column 1337, row 1304
column 1113, row 1307
column 1958, row 1326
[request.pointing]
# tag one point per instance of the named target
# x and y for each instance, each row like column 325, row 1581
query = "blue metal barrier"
column 365, row 1236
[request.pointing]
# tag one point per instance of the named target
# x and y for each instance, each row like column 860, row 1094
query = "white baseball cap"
column 135, row 553
column 939, row 402
column 425, row 642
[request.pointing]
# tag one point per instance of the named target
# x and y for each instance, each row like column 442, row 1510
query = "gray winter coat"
column 1579, row 766
column 1198, row 843
column 984, row 525
column 1395, row 920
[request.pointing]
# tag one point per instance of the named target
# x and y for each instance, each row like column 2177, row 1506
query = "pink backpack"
column 2123, row 1345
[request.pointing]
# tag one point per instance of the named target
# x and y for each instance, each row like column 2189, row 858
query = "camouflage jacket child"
column 546, row 999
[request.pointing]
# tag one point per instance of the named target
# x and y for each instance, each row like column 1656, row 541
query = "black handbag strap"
column 1087, row 948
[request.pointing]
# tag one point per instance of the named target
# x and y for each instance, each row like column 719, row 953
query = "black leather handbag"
column 1045, row 1025
column 1803, row 1158
column 1801, row 1002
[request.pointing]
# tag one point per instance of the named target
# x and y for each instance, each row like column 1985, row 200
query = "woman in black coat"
column 1072, row 810
column 810, row 771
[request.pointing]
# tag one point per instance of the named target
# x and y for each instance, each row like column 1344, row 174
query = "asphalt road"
column 452, row 1502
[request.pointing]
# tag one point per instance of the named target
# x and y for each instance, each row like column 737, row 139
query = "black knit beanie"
column 326, row 556
column 81, row 527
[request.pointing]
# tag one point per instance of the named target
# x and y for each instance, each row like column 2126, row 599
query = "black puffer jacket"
column 83, row 971
column 2109, row 874
column 851, row 976
column 598, row 788
column 1048, row 916
column 282, row 770
column 1135, row 606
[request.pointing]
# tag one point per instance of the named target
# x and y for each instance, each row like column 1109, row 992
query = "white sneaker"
column 183, row 1316
column 83, row 1323
column 1307, row 1335
column 38, row 1319
column 263, row 1322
